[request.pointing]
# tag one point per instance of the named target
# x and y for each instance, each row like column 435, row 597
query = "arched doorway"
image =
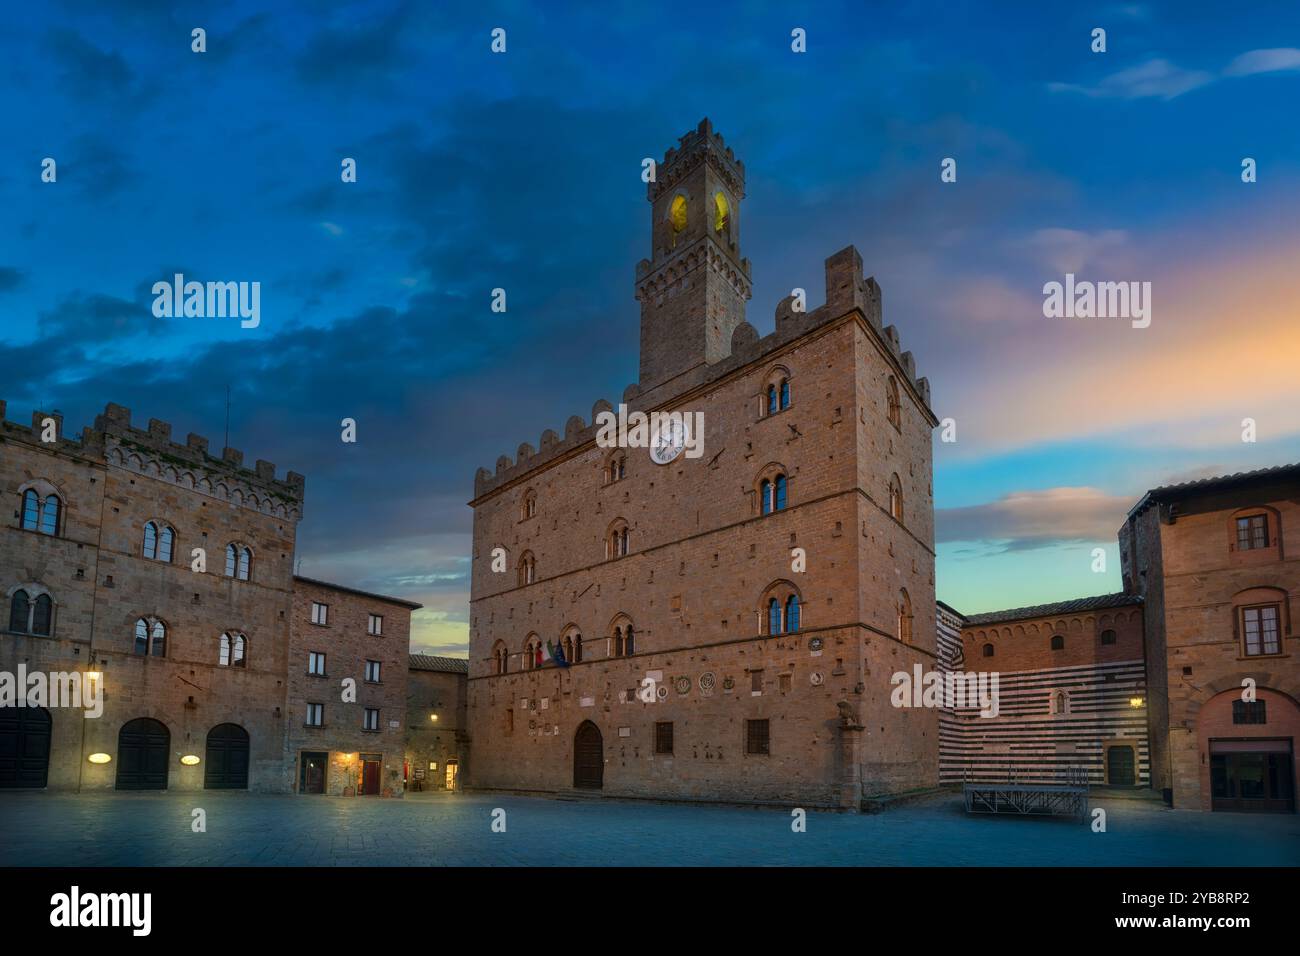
column 588, row 757
column 1247, row 751
column 226, row 763
column 142, row 748
column 1121, row 766
column 24, row 747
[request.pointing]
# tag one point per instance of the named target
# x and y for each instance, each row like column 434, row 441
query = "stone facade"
column 359, row 682
column 437, row 750
column 1072, row 689
column 1204, row 587
column 125, row 534
column 576, row 542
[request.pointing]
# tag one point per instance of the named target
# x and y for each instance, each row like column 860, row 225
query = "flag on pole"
column 555, row 654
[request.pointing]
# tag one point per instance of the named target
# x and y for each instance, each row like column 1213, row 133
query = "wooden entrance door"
column 370, row 774
column 588, row 757
column 143, row 745
column 311, row 771
column 24, row 747
column 226, row 764
column 1121, row 767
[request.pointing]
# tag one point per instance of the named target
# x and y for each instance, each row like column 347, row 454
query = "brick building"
column 1218, row 567
column 437, row 723
column 163, row 574
column 1072, row 688
column 347, row 688
column 704, row 660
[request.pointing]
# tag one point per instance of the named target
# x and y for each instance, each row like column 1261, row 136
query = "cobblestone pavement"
column 117, row 829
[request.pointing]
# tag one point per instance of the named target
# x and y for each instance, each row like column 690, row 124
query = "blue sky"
column 522, row 170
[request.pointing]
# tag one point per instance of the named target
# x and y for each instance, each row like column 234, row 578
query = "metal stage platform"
column 1030, row 798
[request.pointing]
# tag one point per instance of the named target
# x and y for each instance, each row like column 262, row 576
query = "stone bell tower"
column 693, row 288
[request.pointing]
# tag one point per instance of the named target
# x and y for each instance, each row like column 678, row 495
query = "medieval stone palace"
column 730, row 621
column 727, row 626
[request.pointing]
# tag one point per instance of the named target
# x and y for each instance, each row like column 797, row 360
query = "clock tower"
column 693, row 288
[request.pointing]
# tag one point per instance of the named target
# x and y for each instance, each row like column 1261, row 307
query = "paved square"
column 120, row 829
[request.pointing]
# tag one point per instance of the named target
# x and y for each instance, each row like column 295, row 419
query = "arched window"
column 500, row 657
column 774, row 616
column 623, row 640
column 773, row 491
column 615, row 467
column 528, row 508
column 785, row 393
column 150, row 638
column 567, row 644
column 50, row 515
column 792, row 613
column 232, row 560
column 234, row 649
column 895, row 406
column 19, row 612
column 527, row 568
column 988, row 650
column 1059, row 702
column 1058, row 642
column 158, row 541
column 721, row 213
column 896, row 498
column 616, row 539
column 31, row 510
column 28, row 615
column 771, row 399
column 245, row 563
column 1108, row 637
column 904, row 617
column 781, row 608
column 532, row 652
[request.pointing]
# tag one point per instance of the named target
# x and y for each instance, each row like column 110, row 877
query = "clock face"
column 668, row 442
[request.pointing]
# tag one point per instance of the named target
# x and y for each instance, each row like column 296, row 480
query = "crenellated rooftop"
column 847, row 290
column 151, row 451
column 701, row 142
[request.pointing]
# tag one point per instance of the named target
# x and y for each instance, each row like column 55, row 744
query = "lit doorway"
column 453, row 771
column 370, row 767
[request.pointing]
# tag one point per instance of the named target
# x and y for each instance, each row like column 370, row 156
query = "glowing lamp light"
column 433, row 716
column 99, row 758
column 190, row 760
column 1135, row 702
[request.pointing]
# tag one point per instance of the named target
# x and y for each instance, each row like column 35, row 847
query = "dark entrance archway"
column 226, row 763
column 588, row 757
column 1121, row 767
column 143, row 745
column 24, row 747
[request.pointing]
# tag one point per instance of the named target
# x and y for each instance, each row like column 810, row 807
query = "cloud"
column 1071, row 250
column 1271, row 60
column 1154, row 78
column 1025, row 520
column 88, row 71
column 10, row 278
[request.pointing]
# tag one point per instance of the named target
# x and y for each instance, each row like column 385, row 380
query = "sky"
column 522, row 170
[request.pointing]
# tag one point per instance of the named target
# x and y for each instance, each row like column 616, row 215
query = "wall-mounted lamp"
column 190, row 760
column 99, row 758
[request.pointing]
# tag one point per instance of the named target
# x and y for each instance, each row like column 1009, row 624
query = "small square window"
column 1249, row 712
column 375, row 625
column 1252, row 532
column 371, row 721
column 315, row 715
column 372, row 672
column 756, row 682
column 757, row 740
column 316, row 664
column 320, row 613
